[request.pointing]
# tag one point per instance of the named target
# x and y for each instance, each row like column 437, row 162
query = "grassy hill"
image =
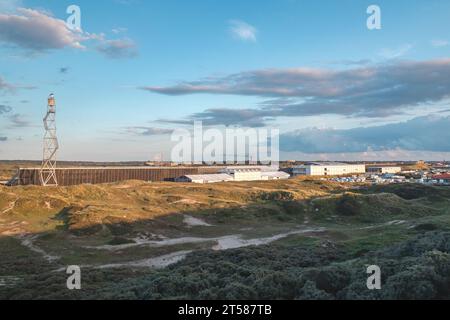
column 295, row 239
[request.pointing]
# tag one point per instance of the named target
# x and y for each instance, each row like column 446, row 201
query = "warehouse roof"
column 245, row 170
column 260, row 168
column 332, row 163
column 387, row 166
column 442, row 176
column 210, row 177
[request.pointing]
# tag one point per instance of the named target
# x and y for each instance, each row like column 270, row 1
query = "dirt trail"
column 194, row 222
column 387, row 224
column 159, row 262
column 233, row 241
column 236, row 241
column 27, row 241
column 11, row 206
column 12, row 228
column 9, row 281
column 156, row 262
column 222, row 243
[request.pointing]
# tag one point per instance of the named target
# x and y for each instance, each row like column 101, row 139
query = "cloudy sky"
column 139, row 69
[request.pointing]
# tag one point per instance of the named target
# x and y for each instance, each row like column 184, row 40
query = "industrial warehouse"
column 328, row 169
column 238, row 173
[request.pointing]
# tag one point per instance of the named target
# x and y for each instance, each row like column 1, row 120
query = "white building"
column 249, row 173
column 237, row 173
column 328, row 169
column 275, row 175
column 244, row 174
column 384, row 169
column 205, row 178
column 254, row 173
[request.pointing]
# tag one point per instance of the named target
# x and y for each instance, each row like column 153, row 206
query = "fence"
column 75, row 176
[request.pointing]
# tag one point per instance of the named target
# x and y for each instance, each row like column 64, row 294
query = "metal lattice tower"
column 48, row 169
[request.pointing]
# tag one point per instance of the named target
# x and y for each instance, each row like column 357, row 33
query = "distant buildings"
column 328, row 169
column 205, row 178
column 244, row 173
column 442, row 178
column 237, row 173
column 332, row 171
column 278, row 175
column 384, row 169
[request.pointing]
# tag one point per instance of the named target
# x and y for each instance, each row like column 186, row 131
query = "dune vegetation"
column 294, row 239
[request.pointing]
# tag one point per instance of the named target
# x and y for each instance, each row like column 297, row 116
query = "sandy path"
column 236, row 241
column 11, row 206
column 7, row 281
column 222, row 243
column 156, row 262
column 194, row 222
column 390, row 223
column 27, row 241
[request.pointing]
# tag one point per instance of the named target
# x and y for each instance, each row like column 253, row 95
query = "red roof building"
column 444, row 177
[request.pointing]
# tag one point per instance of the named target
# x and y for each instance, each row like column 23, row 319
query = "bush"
column 348, row 205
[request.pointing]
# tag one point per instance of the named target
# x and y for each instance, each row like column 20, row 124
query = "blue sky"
column 141, row 68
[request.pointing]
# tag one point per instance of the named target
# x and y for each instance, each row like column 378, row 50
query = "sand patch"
column 155, row 263
column 11, row 206
column 222, row 243
column 7, row 281
column 187, row 201
column 194, row 222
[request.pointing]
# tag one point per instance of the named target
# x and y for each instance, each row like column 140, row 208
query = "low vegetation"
column 295, row 239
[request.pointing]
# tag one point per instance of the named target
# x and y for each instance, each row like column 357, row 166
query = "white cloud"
column 243, row 31
column 385, row 155
column 37, row 31
column 119, row 30
column 437, row 43
column 433, row 136
column 117, row 49
column 148, row 131
column 19, row 121
column 9, row 5
column 394, row 53
column 379, row 90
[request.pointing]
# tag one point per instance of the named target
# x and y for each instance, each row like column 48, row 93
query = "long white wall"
column 330, row 170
